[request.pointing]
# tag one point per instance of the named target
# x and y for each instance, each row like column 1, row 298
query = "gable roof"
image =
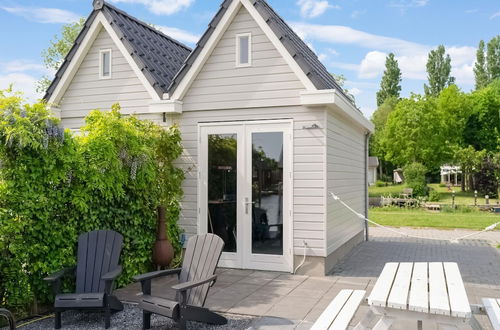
column 165, row 61
column 158, row 56
column 302, row 54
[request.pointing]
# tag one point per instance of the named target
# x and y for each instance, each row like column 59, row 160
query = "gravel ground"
column 129, row 318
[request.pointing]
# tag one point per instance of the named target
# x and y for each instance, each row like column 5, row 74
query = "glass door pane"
column 267, row 193
column 222, row 188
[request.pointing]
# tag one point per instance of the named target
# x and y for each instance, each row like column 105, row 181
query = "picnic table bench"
column 492, row 307
column 340, row 311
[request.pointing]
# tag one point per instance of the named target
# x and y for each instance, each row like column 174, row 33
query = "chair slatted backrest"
column 98, row 253
column 200, row 261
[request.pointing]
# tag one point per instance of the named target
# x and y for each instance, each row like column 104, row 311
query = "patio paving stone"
column 293, row 308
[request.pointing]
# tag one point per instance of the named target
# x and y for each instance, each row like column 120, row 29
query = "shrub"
column 54, row 186
column 434, row 196
column 414, row 174
column 380, row 183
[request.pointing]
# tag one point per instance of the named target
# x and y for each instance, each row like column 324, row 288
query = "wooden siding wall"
column 268, row 82
column 346, row 178
column 309, row 170
column 87, row 92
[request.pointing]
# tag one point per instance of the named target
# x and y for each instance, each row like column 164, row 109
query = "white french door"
column 245, row 187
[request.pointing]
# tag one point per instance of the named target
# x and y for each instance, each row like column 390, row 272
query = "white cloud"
column 314, row 8
column 161, row 7
column 333, row 52
column 357, row 13
column 404, row 5
column 412, row 57
column 178, row 34
column 372, row 65
column 44, row 15
column 22, row 66
column 471, row 11
column 495, row 15
column 21, row 82
column 355, row 91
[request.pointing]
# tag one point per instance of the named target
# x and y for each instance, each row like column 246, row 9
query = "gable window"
column 243, row 49
column 105, row 64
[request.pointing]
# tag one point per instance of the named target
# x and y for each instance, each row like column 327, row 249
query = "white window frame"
column 238, row 50
column 102, row 51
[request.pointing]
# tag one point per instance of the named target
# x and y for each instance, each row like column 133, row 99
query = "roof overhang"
column 334, row 100
column 99, row 22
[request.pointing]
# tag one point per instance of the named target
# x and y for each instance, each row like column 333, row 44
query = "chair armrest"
column 112, row 275
column 193, row 284
column 160, row 273
column 58, row 275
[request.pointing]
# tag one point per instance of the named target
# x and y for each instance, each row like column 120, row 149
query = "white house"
column 373, row 164
column 267, row 131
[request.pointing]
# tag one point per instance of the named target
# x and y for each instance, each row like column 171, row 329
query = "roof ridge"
column 146, row 25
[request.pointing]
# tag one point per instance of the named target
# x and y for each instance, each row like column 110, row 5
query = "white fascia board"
column 207, row 50
column 99, row 22
column 279, row 46
column 331, row 98
column 166, row 106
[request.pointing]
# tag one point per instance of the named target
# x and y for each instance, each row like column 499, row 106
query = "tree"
column 391, row 81
column 493, row 58
column 480, row 68
column 470, row 161
column 341, row 79
column 438, row 72
column 59, row 47
column 482, row 128
column 415, row 133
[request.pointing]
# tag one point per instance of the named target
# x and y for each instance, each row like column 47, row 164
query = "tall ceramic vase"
column 163, row 251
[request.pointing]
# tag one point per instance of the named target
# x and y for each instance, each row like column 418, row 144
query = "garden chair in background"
column 10, row 318
column 196, row 277
column 407, row 193
column 97, row 269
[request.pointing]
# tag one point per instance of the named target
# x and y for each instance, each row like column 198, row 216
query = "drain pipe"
column 367, row 147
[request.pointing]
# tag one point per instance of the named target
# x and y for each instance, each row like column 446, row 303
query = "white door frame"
column 243, row 258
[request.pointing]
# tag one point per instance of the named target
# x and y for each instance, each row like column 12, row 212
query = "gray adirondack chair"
column 10, row 318
column 196, row 277
column 96, row 270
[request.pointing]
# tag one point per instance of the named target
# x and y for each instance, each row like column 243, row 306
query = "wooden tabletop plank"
column 326, row 318
column 346, row 314
column 438, row 293
column 492, row 307
column 381, row 290
column 459, row 303
column 419, row 294
column 398, row 296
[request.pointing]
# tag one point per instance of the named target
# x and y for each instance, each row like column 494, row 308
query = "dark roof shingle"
column 158, row 56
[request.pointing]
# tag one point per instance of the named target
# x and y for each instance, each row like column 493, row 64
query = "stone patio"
column 284, row 301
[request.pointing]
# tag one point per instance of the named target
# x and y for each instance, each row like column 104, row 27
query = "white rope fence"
column 453, row 240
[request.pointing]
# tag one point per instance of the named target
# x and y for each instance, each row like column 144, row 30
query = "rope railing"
column 453, row 240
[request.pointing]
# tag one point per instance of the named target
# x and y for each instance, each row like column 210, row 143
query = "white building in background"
column 451, row 175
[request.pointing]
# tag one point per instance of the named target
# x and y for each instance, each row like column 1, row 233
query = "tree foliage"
column 438, row 71
column 493, row 58
column 414, row 174
column 390, row 86
column 59, row 47
column 480, row 69
column 54, row 186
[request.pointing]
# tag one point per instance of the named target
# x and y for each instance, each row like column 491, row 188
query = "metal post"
column 487, row 198
column 453, row 199
column 475, row 197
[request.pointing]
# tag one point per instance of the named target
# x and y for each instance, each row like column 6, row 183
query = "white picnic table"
column 420, row 291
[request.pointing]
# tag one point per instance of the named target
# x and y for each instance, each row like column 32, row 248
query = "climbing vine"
column 55, row 185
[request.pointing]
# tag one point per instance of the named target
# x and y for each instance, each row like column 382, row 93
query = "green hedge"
column 55, row 185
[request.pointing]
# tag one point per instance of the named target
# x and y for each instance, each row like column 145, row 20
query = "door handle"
column 247, row 203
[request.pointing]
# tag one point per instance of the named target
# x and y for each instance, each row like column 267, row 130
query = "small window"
column 105, row 64
column 243, row 50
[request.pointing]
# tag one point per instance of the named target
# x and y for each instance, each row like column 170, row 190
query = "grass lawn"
column 397, row 217
column 461, row 198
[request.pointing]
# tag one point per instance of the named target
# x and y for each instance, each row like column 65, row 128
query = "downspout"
column 367, row 144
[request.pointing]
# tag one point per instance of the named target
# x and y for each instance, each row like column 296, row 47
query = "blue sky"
column 351, row 37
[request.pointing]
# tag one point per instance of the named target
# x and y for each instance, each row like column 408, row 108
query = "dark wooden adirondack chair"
column 196, row 277
column 97, row 269
column 10, row 318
